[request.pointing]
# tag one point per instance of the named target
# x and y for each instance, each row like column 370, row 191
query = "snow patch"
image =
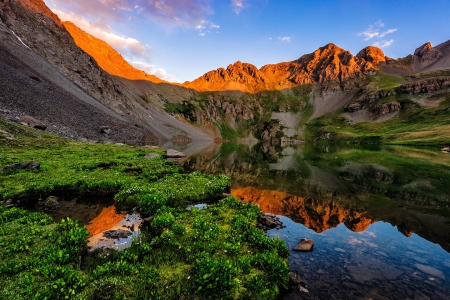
column 20, row 40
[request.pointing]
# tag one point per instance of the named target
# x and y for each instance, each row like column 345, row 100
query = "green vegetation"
column 186, row 108
column 215, row 253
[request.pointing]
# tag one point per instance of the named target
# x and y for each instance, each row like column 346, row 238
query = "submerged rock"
column 304, row 245
column 175, row 154
column 302, row 287
column 430, row 271
column 117, row 234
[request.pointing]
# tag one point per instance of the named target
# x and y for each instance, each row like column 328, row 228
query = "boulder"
column 304, row 245
column 51, row 203
column 21, row 166
column 175, row 154
column 268, row 222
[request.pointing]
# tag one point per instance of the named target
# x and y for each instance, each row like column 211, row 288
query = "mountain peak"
column 422, row 49
column 372, row 54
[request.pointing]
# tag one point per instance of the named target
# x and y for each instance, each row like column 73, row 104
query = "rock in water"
column 174, row 153
column 117, row 234
column 304, row 245
column 302, row 287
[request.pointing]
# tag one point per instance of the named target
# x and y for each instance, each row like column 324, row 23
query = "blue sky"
column 180, row 40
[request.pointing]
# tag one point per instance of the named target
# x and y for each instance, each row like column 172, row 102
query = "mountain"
column 107, row 58
column 327, row 64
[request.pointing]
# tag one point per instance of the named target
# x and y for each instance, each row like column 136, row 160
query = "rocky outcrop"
column 385, row 108
column 426, row 86
column 426, row 53
column 368, row 97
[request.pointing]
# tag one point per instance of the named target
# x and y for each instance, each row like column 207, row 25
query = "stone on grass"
column 304, row 245
column 151, row 155
column 21, row 166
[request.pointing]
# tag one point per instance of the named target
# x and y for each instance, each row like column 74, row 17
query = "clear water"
column 379, row 218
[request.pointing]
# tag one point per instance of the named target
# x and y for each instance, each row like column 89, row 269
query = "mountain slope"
column 34, row 38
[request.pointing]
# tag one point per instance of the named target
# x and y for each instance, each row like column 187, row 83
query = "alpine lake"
column 379, row 216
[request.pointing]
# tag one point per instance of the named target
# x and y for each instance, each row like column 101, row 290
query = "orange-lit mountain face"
column 107, row 58
column 328, row 63
column 314, row 214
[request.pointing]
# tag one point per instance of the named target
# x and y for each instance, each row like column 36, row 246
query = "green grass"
column 383, row 81
column 216, row 253
column 414, row 125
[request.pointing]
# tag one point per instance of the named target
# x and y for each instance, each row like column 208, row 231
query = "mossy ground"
column 216, row 253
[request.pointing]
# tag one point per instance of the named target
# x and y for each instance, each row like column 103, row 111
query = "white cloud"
column 238, row 5
column 387, row 32
column 153, row 70
column 286, row 39
column 375, row 31
column 383, row 44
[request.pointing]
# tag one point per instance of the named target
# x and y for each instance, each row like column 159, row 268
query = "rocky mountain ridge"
column 327, row 64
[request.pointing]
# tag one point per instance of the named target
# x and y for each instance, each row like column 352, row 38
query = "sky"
column 180, row 40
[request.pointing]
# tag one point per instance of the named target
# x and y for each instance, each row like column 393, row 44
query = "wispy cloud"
column 383, row 44
column 387, row 32
column 238, row 5
column 204, row 26
column 184, row 13
column 286, row 39
column 376, row 31
column 151, row 69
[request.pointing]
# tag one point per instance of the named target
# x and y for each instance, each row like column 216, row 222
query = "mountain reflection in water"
column 374, row 214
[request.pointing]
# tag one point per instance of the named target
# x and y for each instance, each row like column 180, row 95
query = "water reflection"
column 374, row 214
